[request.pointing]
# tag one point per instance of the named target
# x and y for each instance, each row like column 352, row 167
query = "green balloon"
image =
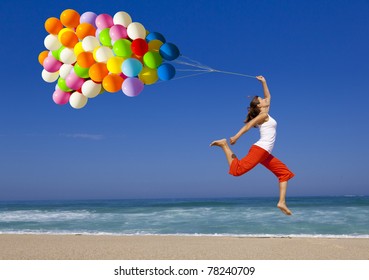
column 57, row 52
column 81, row 71
column 63, row 85
column 104, row 37
column 122, row 48
column 152, row 59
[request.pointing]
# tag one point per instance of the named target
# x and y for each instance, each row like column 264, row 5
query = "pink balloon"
column 104, row 21
column 118, row 32
column 61, row 97
column 73, row 81
column 51, row 64
column 132, row 87
column 122, row 75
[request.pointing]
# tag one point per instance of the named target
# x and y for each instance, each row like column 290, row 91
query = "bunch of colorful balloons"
column 88, row 54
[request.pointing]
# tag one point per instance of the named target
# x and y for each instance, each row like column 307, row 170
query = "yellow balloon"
column 61, row 32
column 114, row 64
column 148, row 76
column 154, row 45
column 78, row 48
column 94, row 52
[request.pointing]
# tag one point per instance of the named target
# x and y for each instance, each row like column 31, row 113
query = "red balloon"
column 139, row 47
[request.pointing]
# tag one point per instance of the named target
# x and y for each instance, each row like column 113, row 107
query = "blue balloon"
column 169, row 51
column 166, row 72
column 131, row 67
column 155, row 36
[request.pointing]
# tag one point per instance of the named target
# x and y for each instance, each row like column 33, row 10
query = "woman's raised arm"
column 265, row 87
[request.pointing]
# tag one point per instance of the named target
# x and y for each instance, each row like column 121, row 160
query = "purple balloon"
column 117, row 32
column 104, row 21
column 73, row 81
column 132, row 87
column 97, row 33
column 51, row 64
column 88, row 17
column 61, row 97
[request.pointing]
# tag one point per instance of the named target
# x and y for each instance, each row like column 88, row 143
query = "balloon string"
column 193, row 70
column 193, row 65
column 233, row 73
column 197, row 64
column 201, row 69
column 182, row 77
column 192, row 75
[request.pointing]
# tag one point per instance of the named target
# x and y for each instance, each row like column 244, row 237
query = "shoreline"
column 326, row 236
column 178, row 247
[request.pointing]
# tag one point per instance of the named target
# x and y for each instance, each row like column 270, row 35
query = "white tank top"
column 268, row 132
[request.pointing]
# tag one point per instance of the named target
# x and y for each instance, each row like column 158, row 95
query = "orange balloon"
column 140, row 58
column 85, row 29
column 53, row 25
column 69, row 39
column 112, row 82
column 98, row 71
column 85, row 59
column 42, row 56
column 70, row 18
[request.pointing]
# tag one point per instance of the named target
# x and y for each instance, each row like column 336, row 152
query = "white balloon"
column 122, row 18
column 67, row 56
column 103, row 54
column 136, row 30
column 65, row 70
column 89, row 43
column 52, row 43
column 77, row 100
column 91, row 89
column 49, row 77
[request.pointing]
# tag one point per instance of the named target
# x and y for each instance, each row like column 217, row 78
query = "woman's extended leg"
column 283, row 174
column 226, row 149
column 282, row 198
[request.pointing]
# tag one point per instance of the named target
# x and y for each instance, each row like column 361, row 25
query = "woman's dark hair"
column 253, row 110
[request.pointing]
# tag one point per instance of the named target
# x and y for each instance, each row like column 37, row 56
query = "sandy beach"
column 90, row 247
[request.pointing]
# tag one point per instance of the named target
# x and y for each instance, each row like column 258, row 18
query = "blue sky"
column 314, row 54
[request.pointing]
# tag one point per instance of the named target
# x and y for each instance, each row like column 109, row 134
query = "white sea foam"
column 44, row 216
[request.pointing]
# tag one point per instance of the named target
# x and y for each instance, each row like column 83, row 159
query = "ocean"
column 338, row 217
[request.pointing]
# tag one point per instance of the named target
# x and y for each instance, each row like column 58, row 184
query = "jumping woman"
column 261, row 151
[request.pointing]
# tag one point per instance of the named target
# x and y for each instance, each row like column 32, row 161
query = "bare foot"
column 283, row 207
column 219, row 143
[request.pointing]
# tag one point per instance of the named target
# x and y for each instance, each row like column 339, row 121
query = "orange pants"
column 258, row 155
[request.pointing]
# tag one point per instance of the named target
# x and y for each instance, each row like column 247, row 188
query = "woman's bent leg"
column 239, row 167
column 226, row 149
column 255, row 156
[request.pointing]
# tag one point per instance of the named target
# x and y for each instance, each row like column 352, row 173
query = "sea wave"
column 44, row 216
column 330, row 218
